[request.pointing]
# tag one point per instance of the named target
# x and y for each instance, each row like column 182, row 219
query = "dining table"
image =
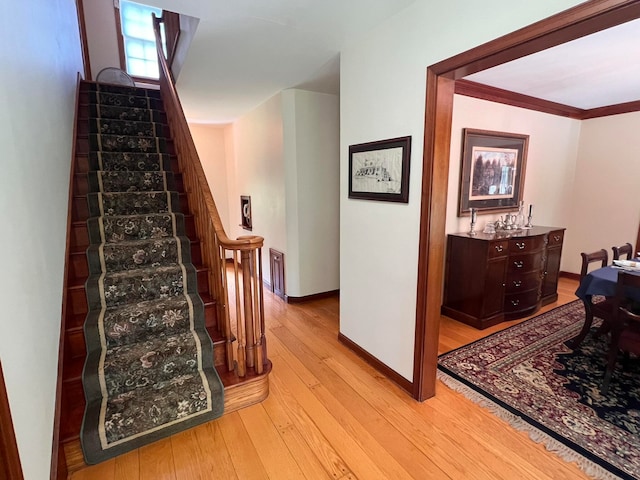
column 601, row 282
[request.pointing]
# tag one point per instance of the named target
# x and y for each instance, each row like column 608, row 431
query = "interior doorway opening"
column 584, row 19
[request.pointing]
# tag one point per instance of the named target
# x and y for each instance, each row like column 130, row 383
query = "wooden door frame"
column 82, row 27
column 584, row 19
column 9, row 456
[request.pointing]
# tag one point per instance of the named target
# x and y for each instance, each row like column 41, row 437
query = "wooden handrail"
column 171, row 22
column 245, row 322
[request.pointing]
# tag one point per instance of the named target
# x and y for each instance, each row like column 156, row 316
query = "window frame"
column 121, row 49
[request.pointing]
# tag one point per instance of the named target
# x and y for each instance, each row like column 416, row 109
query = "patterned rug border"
column 562, row 447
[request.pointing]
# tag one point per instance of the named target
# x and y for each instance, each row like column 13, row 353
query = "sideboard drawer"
column 555, row 237
column 521, row 301
column 521, row 283
column 524, row 263
column 498, row 249
column 525, row 245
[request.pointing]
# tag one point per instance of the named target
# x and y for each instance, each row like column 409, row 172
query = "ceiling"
column 245, row 51
column 598, row 70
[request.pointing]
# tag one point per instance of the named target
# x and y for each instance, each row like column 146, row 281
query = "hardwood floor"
column 331, row 416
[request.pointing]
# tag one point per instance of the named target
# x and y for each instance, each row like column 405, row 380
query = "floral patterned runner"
column 126, row 143
column 149, row 370
column 526, row 375
column 129, row 161
column 126, row 113
column 125, row 127
column 128, row 181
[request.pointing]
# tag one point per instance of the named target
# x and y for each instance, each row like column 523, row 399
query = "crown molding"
column 507, row 97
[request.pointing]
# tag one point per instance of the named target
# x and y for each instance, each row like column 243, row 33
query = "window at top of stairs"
column 140, row 54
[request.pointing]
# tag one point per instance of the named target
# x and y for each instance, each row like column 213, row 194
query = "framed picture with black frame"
column 380, row 170
column 492, row 171
column 245, row 212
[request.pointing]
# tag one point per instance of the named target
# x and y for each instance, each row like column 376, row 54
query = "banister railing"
column 171, row 21
column 239, row 313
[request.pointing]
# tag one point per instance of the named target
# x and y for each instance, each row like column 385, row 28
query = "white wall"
column 382, row 96
column 285, row 155
column 41, row 57
column 257, row 169
column 210, row 141
column 551, row 162
column 188, row 27
column 605, row 210
column 312, row 161
column 102, row 35
column 568, row 161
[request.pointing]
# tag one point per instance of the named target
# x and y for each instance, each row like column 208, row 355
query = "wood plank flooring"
column 331, row 416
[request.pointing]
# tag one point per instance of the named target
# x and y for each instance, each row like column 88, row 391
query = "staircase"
column 237, row 333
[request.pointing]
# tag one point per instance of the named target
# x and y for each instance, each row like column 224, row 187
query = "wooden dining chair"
column 624, row 324
column 599, row 306
column 600, row 256
column 626, row 249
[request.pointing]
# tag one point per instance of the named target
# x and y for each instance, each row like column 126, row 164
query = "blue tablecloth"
column 603, row 282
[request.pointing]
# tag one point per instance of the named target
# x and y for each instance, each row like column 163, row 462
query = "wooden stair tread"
column 73, row 368
column 239, row 393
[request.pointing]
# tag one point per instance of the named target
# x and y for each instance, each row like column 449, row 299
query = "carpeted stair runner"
column 149, row 370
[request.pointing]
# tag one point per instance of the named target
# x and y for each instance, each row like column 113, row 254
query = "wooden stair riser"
column 74, row 321
column 80, row 234
column 81, row 183
column 79, row 237
column 73, row 408
column 74, row 335
column 83, row 126
column 79, row 268
column 80, row 207
column 82, row 146
column 84, row 101
column 82, row 166
column 77, row 297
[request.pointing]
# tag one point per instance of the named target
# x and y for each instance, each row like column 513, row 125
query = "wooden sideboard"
column 490, row 278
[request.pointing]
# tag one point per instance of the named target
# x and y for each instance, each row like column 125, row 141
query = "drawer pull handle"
column 498, row 248
column 519, row 264
column 556, row 238
column 521, row 245
column 515, row 303
column 517, row 283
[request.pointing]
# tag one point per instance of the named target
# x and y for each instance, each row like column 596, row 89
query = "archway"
column 576, row 22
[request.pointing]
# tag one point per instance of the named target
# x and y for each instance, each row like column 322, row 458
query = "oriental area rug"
column 527, row 376
column 149, row 368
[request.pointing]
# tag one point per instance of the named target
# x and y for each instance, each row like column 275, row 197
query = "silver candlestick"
column 529, row 225
column 472, row 230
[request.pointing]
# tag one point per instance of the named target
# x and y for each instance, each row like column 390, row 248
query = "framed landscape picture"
column 380, row 170
column 492, row 171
